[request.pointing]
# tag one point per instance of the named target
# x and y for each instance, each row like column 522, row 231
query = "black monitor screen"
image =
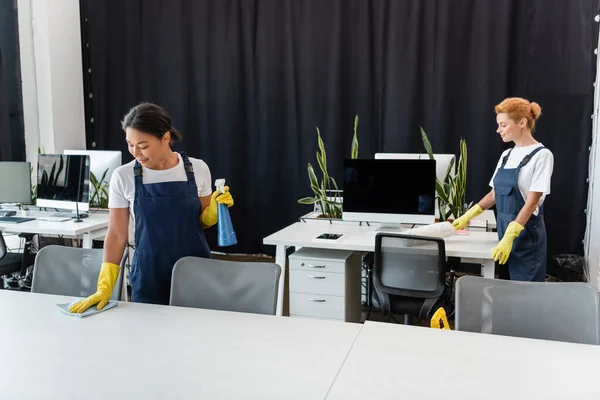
column 389, row 186
column 63, row 177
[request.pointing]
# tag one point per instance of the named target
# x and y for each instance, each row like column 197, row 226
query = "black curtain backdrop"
column 12, row 140
column 247, row 82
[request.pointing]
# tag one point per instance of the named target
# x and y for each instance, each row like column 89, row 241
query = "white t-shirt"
column 122, row 182
column 533, row 177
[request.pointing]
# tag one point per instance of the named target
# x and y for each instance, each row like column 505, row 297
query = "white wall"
column 52, row 75
column 592, row 237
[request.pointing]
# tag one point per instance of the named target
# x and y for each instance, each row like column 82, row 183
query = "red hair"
column 518, row 108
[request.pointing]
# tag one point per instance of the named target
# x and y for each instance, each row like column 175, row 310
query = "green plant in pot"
column 451, row 193
column 99, row 198
column 331, row 206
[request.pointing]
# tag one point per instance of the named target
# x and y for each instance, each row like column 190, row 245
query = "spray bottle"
column 226, row 235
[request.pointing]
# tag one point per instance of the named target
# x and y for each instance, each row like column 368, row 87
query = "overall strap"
column 505, row 159
column 528, row 157
column 137, row 169
column 187, row 164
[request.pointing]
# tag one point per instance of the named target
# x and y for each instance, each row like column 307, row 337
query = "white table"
column 92, row 227
column 391, row 361
column 474, row 247
column 140, row 351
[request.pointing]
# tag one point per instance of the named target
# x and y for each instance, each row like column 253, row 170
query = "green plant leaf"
column 308, row 200
column 102, row 180
column 449, row 170
column 93, row 180
column 354, row 149
column 314, row 182
column 322, row 149
column 426, row 143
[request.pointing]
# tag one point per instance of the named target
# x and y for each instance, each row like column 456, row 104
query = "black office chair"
column 10, row 263
column 409, row 275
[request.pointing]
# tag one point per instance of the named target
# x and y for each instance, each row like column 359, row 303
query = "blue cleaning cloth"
column 64, row 307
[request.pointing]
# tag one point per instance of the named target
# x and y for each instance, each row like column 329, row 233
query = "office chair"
column 409, row 275
column 565, row 312
column 71, row 271
column 249, row 287
column 10, row 263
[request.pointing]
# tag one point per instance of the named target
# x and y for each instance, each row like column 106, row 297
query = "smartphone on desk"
column 329, row 236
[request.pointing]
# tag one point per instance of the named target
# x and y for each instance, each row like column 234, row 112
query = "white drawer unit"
column 325, row 283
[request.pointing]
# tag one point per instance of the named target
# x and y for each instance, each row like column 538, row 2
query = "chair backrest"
column 567, row 312
column 70, row 271
column 3, row 248
column 408, row 265
column 225, row 285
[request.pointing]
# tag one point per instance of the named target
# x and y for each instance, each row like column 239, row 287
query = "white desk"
column 391, row 361
column 141, row 351
column 92, row 227
column 475, row 247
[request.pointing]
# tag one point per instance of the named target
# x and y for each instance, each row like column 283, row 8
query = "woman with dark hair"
column 169, row 197
column 520, row 185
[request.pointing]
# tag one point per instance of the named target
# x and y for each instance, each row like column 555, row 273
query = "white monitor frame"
column 64, row 204
column 441, row 165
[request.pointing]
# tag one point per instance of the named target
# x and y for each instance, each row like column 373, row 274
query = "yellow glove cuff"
column 474, row 211
column 109, row 273
column 513, row 229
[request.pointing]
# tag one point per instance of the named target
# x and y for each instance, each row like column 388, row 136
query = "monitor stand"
column 389, row 228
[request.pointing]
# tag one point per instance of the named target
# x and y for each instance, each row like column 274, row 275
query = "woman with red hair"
column 520, row 184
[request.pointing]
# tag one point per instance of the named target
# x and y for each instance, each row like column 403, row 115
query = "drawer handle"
column 316, row 300
column 312, row 266
column 316, row 277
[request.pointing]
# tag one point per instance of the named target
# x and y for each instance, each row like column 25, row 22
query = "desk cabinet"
column 325, row 283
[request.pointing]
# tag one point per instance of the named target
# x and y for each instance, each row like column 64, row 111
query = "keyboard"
column 15, row 220
column 53, row 219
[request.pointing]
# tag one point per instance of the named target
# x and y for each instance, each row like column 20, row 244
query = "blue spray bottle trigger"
column 226, row 235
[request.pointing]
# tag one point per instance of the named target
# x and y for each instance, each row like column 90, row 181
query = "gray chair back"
column 567, row 312
column 225, row 285
column 70, row 271
column 3, row 247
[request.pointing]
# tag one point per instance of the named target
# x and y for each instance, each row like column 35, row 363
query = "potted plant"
column 99, row 198
column 326, row 191
column 451, row 193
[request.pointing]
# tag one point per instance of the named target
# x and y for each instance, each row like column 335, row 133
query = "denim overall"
column 527, row 261
column 167, row 228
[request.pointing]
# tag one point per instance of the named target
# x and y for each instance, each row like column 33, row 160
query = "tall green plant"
column 100, row 193
column 451, row 193
column 320, row 187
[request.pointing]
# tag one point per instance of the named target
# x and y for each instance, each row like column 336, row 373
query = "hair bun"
column 536, row 110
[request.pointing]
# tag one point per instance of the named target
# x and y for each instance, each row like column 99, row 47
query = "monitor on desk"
column 101, row 162
column 15, row 182
column 391, row 192
column 63, row 181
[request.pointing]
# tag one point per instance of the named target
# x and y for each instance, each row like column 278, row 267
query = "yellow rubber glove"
column 501, row 252
column 106, row 282
column 440, row 314
column 461, row 222
column 210, row 215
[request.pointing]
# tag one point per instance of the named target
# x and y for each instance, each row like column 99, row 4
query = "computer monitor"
column 443, row 161
column 15, row 182
column 63, row 181
column 391, row 192
column 101, row 161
